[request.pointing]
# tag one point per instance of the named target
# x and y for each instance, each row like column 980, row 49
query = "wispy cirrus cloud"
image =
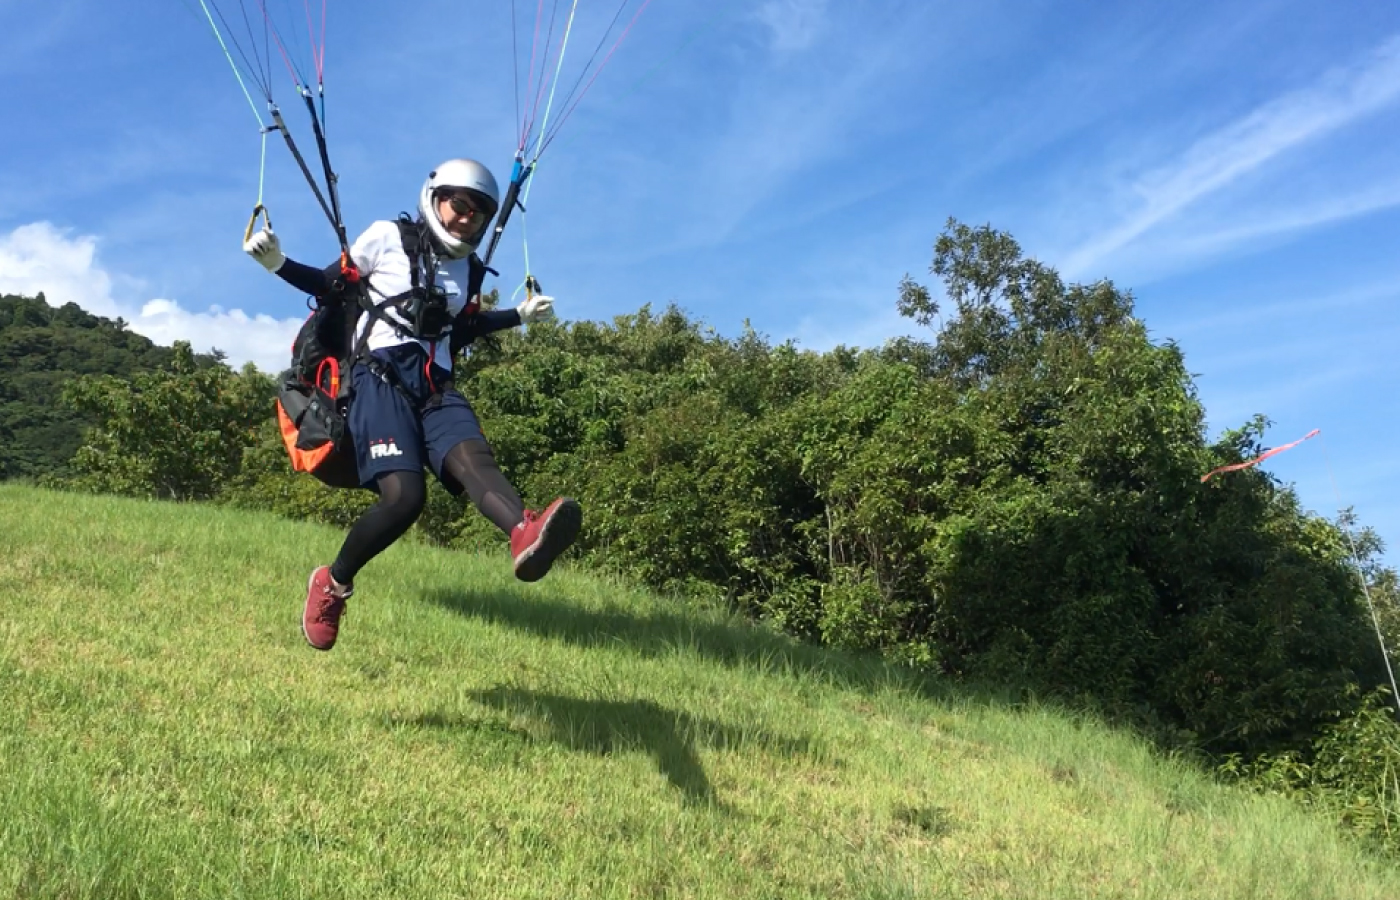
column 40, row 258
column 794, row 24
column 30, row 31
column 1218, row 160
column 1299, row 307
column 766, row 126
column 1280, row 221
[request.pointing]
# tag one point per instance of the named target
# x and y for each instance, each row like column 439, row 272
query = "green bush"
column 1349, row 771
column 1016, row 499
column 174, row 434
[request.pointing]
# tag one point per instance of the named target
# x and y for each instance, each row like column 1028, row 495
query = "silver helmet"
column 474, row 184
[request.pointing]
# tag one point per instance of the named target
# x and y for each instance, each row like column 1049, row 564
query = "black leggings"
column 469, row 468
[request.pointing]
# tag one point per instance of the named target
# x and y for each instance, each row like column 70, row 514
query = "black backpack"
column 314, row 392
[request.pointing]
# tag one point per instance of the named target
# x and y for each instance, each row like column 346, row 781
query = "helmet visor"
column 467, row 214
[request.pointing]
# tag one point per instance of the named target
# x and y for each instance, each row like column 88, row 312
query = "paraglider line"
column 515, row 60
column 525, row 241
column 262, row 167
column 554, row 83
column 584, row 71
column 232, row 64
column 1361, row 576
column 530, row 83
column 277, row 39
column 317, row 52
column 569, row 110
column 306, row 170
column 264, row 70
column 544, row 68
column 236, row 45
column 295, row 46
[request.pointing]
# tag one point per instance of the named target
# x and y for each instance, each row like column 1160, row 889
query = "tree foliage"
column 41, row 349
column 173, row 434
column 1016, row 497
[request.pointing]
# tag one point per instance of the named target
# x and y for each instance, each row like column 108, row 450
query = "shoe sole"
column 313, row 644
column 557, row 536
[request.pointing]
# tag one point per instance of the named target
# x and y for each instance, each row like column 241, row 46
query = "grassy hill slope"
column 167, row 733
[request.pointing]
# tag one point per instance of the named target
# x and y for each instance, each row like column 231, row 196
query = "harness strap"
column 420, row 264
column 386, row 374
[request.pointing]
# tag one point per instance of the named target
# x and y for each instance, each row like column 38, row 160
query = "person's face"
column 461, row 216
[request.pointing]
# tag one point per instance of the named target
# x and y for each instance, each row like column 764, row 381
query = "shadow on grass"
column 661, row 633
column 608, row 727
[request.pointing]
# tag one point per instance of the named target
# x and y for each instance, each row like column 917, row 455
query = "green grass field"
column 166, row 732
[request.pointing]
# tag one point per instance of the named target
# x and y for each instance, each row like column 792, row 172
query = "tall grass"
column 167, row 733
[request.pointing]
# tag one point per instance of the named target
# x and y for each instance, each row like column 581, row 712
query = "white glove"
column 536, row 308
column 266, row 249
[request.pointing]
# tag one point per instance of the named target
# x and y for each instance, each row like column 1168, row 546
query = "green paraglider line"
column 546, row 136
column 263, row 128
column 262, row 167
column 586, row 66
column 554, row 85
column 233, row 65
column 539, row 147
column 520, row 187
column 569, row 108
column 544, row 66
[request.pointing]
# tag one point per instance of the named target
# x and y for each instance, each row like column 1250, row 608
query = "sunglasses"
column 464, row 206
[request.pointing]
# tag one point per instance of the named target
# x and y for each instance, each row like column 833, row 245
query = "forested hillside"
column 41, row 349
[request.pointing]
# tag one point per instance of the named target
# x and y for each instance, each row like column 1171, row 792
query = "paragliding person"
column 405, row 413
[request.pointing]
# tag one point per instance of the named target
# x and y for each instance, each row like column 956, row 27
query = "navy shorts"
column 390, row 436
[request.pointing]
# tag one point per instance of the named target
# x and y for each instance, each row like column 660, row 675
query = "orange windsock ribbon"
column 1258, row 459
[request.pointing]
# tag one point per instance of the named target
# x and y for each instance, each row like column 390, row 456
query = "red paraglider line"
column 545, row 78
column 1258, row 459
column 530, row 82
column 277, row 39
column 318, row 53
column 564, row 118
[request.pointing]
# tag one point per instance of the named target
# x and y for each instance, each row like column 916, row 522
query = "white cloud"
column 869, row 329
column 795, row 24
column 1250, row 308
column 1216, row 161
column 40, row 258
column 1287, row 219
column 1205, row 236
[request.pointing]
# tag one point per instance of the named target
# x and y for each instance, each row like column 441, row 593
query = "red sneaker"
column 537, row 542
column 320, row 618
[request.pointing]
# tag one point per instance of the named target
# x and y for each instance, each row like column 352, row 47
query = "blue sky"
column 784, row 162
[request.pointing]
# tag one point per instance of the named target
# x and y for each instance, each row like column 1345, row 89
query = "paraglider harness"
column 314, row 394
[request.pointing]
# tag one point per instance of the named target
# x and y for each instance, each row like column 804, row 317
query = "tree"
column 176, row 434
column 41, row 349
